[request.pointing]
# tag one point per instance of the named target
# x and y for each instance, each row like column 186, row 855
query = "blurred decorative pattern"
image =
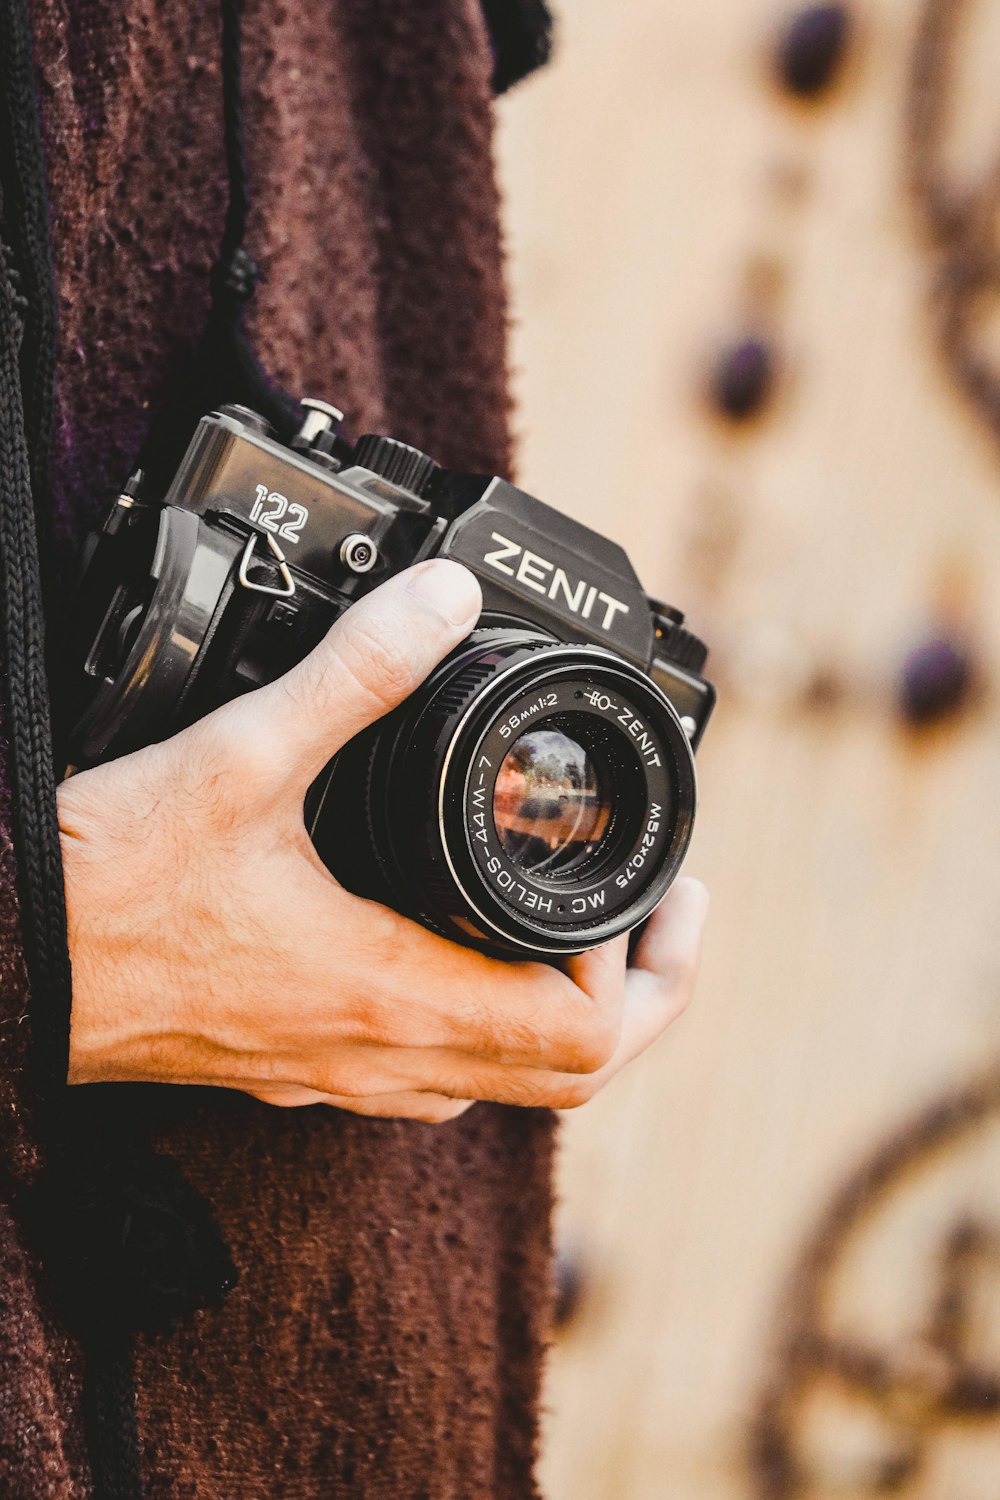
column 811, row 48
column 754, row 265
column 958, row 202
column 859, row 1409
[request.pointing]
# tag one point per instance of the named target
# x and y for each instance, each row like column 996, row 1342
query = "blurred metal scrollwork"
column 961, row 219
column 916, row 1388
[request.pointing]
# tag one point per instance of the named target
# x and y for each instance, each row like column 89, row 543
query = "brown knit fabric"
column 385, row 1338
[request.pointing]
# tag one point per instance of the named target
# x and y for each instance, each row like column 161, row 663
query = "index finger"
column 379, row 652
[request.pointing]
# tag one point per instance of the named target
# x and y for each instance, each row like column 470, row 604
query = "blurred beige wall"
column 662, row 198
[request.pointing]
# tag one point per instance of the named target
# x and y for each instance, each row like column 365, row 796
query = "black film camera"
column 535, row 796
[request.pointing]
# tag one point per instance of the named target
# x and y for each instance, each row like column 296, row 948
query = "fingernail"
column 447, row 588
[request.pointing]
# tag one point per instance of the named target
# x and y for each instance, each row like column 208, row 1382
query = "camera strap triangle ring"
column 288, row 582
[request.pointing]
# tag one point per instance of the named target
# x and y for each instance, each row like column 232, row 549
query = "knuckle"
column 580, row 1034
column 593, row 1043
column 367, row 1022
column 375, row 660
column 527, row 1040
column 477, row 1025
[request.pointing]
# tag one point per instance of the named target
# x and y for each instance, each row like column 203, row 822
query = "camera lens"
column 536, row 797
column 552, row 798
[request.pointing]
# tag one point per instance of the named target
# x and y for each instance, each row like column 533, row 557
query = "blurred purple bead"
column 935, row 681
column 812, row 47
column 743, row 378
column 568, row 1288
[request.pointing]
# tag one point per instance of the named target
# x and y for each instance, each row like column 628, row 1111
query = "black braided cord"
column 223, row 367
column 521, row 36
column 238, row 206
column 109, row 1413
column 27, row 232
column 27, row 390
column 32, row 773
column 30, row 750
column 27, row 387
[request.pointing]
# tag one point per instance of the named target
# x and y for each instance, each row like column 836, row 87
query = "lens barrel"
column 534, row 796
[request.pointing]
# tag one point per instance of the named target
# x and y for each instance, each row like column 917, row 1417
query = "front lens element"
column 552, row 798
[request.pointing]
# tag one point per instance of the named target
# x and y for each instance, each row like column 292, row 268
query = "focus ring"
column 421, row 744
column 455, row 696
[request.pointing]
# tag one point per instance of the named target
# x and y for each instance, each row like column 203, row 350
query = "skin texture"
column 211, row 946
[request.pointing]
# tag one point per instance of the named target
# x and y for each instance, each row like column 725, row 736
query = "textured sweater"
column 386, row 1334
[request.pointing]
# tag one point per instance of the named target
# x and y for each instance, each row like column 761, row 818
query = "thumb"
column 375, row 656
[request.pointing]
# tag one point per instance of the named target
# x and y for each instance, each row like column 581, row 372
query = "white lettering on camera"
column 279, row 504
column 640, row 856
column 516, row 720
column 638, row 731
column 512, row 887
column 543, row 577
column 636, row 728
column 479, row 814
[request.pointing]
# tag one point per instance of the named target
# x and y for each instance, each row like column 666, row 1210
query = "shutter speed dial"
column 395, row 461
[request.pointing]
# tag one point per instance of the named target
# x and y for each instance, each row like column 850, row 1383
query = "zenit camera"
column 536, row 795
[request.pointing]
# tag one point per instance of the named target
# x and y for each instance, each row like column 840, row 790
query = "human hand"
column 211, row 946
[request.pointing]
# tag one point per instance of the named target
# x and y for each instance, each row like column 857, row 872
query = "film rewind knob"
column 319, row 418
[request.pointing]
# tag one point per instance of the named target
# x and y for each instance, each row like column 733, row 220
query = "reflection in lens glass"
column 551, row 802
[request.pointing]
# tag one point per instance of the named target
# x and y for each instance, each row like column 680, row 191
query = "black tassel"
column 127, row 1242
column 222, row 368
column 521, row 33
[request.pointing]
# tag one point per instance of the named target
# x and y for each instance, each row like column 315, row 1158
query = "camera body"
column 221, row 585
